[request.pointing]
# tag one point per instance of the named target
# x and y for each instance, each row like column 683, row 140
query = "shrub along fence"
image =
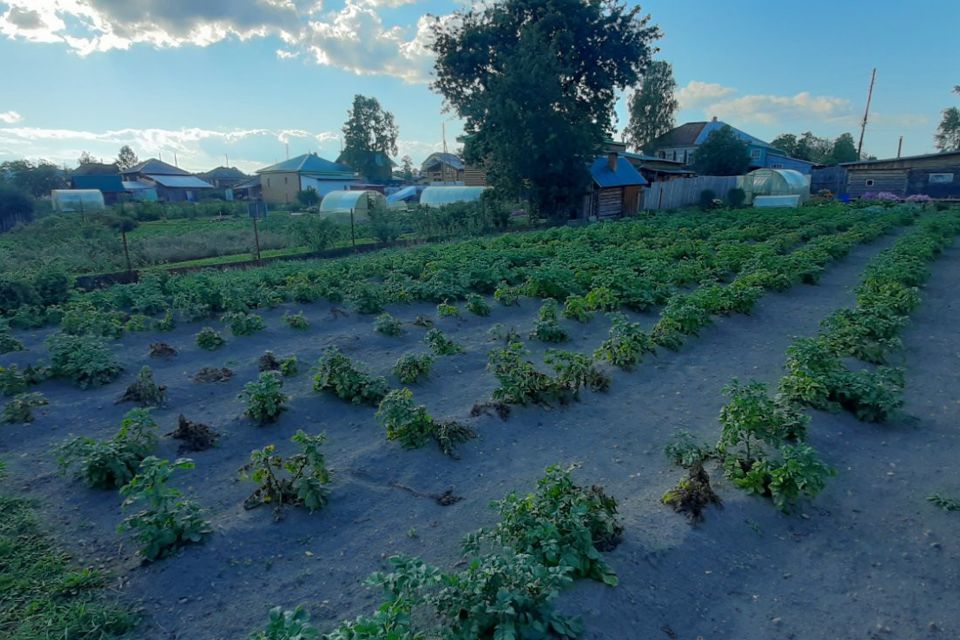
column 684, row 192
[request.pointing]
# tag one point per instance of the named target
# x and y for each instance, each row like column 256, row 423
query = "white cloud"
column 697, row 93
column 772, row 109
column 196, row 149
column 354, row 38
column 10, row 117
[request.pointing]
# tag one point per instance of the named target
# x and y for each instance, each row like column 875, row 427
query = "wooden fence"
column 683, row 192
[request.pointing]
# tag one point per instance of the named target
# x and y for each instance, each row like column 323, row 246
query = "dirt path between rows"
column 748, row 572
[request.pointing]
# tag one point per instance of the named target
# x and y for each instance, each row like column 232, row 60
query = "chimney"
column 714, row 118
column 612, row 161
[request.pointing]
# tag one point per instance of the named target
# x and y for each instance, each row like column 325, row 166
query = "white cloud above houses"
column 354, row 37
column 697, row 93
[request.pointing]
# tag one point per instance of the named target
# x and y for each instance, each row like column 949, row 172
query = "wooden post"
column 353, row 232
column 256, row 237
column 126, row 251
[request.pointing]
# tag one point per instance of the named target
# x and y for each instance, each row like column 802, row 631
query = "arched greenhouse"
column 361, row 203
column 775, row 187
column 440, row 196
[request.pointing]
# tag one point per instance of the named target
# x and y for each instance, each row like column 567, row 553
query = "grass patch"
column 43, row 594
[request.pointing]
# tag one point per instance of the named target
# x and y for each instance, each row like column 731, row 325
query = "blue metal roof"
column 716, row 125
column 309, row 163
column 181, row 182
column 105, row 184
column 624, row 176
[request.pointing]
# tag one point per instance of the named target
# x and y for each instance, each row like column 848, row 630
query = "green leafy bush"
column 752, row 418
column 264, row 398
column 20, row 408
column 520, row 382
column 684, row 450
column 166, row 323
column 166, row 520
column 296, row 320
column 477, row 305
column 83, row 359
column 112, row 463
column 388, row 325
column 242, row 323
column 447, row 310
column 793, row 473
column 411, row 368
column 413, row 427
column 83, row 319
column 337, row 373
column 292, row 625
column 547, row 328
column 368, row 299
column 575, row 371
column 8, row 343
column 209, row 339
column 576, row 308
column 300, row 479
column 602, row 299
column 627, row 344
column 440, row 344
column 560, row 525
column 506, row 295
column 14, row 381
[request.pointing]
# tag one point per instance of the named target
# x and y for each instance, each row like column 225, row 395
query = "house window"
column 685, row 157
column 755, row 154
column 285, row 179
column 940, row 178
column 674, row 155
column 662, row 154
column 868, row 182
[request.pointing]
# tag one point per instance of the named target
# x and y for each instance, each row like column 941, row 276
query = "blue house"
column 680, row 143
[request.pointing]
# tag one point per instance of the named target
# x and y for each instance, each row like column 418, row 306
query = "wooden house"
column 615, row 189
column 935, row 174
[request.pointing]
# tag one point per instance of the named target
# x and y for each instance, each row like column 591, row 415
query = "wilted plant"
column 300, row 479
column 145, row 390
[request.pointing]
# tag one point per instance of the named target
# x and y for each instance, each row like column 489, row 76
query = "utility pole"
column 443, row 163
column 900, row 146
column 866, row 113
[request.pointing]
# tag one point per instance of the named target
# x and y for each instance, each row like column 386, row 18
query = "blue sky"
column 206, row 78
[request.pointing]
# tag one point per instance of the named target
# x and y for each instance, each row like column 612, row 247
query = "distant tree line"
column 812, row 148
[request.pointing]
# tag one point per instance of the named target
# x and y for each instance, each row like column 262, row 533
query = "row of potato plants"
column 508, row 581
column 762, row 447
column 642, row 262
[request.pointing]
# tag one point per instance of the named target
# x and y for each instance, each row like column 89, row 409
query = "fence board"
column 683, row 192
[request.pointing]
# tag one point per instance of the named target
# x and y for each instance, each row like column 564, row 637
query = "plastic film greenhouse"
column 77, row 200
column 775, row 187
column 361, row 203
column 440, row 196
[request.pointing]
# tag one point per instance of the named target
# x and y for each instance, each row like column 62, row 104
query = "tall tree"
column 653, row 106
column 947, row 137
column 126, row 158
column 722, row 154
column 786, row 142
column 844, row 149
column 406, row 168
column 535, row 82
column 37, row 179
column 812, row 148
column 86, row 158
column 369, row 129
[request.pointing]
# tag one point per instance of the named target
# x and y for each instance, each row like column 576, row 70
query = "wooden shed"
column 616, row 188
column 936, row 175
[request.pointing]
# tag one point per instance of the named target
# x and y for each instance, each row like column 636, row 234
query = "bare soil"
column 869, row 559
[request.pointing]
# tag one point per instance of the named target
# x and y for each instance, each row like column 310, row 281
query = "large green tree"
column 844, row 149
column 652, row 106
column 369, row 130
column 947, row 137
column 722, row 154
column 535, row 82
column 126, row 158
column 36, row 178
column 786, row 142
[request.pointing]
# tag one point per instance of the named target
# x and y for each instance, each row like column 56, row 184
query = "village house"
column 280, row 183
column 170, row 183
column 935, row 174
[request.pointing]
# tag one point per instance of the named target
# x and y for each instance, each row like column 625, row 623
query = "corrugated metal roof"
column 624, row 176
column 952, row 155
column 105, row 184
column 157, row 168
column 309, row 163
column 252, row 183
column 438, row 157
column 224, row 172
column 693, row 134
column 181, row 182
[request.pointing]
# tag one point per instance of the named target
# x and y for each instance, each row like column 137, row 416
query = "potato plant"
column 242, row 323
column 388, row 325
column 8, row 343
column 292, row 625
column 576, row 308
column 440, row 344
column 792, row 472
column 560, row 525
column 547, row 328
column 477, row 305
column 627, row 344
column 575, row 371
column 111, row 463
column 165, row 520
column 210, row 339
column 520, row 381
column 411, row 368
column 336, row 373
column 300, row 479
column 19, row 409
column 506, row 295
column 447, row 310
column 83, row 359
column 413, row 427
column 296, row 321
column 264, row 398
column 14, row 381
